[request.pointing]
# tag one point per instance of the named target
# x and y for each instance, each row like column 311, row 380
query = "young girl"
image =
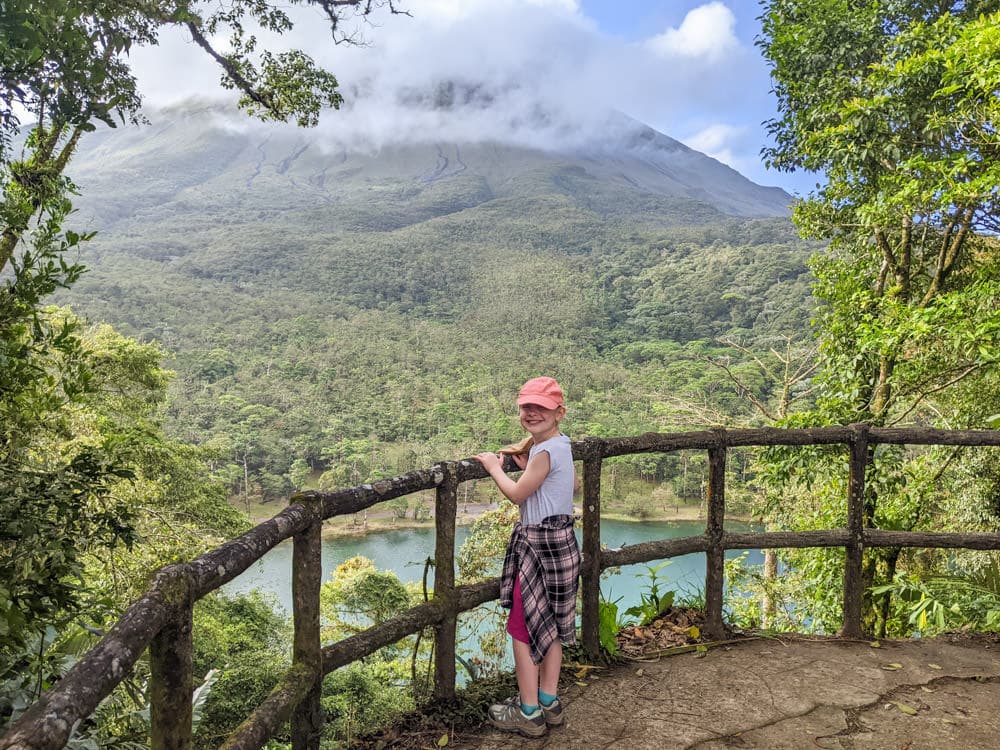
column 542, row 565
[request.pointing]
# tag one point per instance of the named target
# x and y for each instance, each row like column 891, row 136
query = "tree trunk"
column 768, row 606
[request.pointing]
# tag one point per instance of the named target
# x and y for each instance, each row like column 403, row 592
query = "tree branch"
column 231, row 70
column 333, row 9
column 921, row 397
column 951, row 246
column 882, row 242
column 743, row 390
column 905, row 258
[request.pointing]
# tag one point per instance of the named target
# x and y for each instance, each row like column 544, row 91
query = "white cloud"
column 532, row 72
column 463, row 8
column 722, row 142
column 707, row 31
column 715, row 138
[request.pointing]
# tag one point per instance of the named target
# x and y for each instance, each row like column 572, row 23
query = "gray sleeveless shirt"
column 555, row 495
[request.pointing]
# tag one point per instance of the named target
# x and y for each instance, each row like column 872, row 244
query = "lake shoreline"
column 376, row 521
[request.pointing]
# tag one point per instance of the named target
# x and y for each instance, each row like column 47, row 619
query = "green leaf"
column 905, row 708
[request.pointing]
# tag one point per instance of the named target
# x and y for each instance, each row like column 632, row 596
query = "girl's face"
column 542, row 423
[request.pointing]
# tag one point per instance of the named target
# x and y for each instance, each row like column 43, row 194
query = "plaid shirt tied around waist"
column 547, row 559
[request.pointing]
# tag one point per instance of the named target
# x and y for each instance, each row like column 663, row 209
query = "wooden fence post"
column 591, row 567
column 170, row 662
column 444, row 585
column 853, row 575
column 307, row 573
column 715, row 556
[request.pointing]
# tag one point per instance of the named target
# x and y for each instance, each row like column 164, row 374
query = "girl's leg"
column 549, row 669
column 527, row 673
column 524, row 668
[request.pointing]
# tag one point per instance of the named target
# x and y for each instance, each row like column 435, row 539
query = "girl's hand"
column 531, row 479
column 490, row 461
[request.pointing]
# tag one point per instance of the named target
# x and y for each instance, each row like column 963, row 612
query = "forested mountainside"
column 376, row 309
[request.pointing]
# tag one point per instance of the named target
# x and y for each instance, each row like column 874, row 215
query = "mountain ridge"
column 188, row 149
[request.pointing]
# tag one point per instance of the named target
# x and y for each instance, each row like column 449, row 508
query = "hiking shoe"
column 553, row 713
column 509, row 717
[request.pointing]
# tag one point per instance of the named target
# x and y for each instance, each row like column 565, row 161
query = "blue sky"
column 740, row 133
column 634, row 20
column 686, row 68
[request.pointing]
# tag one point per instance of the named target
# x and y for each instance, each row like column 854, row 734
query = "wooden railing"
column 161, row 620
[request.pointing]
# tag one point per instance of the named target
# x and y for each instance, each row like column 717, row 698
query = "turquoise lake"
column 404, row 551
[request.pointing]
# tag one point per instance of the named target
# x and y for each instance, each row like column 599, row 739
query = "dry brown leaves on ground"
column 677, row 630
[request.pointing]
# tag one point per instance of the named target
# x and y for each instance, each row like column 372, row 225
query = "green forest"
column 168, row 375
column 368, row 354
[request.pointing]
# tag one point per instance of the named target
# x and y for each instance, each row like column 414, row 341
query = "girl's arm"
column 517, row 491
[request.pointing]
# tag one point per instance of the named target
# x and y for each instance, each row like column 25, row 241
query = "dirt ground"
column 791, row 692
column 785, row 693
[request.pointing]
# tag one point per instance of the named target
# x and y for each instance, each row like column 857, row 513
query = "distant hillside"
column 403, row 228
column 313, row 295
column 222, row 163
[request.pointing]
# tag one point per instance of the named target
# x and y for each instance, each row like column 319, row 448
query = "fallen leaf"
column 875, row 644
column 934, row 666
column 640, row 672
column 906, row 709
column 949, row 721
column 581, row 683
column 892, row 667
column 443, row 740
column 927, row 689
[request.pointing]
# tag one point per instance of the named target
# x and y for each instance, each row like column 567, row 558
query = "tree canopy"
column 82, row 453
column 64, row 67
column 895, row 104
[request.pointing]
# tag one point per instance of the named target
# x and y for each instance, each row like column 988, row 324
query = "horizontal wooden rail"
column 48, row 723
column 412, row 621
column 930, row 539
column 771, row 436
column 267, row 718
column 276, row 709
column 786, row 539
column 362, row 497
column 221, row 565
column 663, row 549
column 660, row 549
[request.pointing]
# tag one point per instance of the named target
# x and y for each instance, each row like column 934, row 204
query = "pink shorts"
column 516, row 626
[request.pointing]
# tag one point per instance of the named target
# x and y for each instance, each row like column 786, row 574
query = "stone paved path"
column 793, row 693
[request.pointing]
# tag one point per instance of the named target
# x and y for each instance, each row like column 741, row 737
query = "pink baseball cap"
column 543, row 392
